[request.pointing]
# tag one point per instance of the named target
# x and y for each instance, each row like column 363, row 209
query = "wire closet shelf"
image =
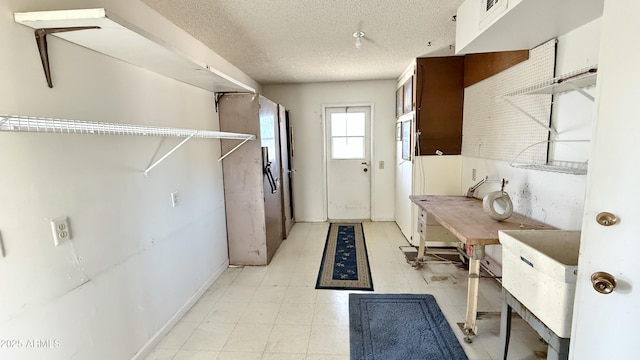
column 65, row 126
column 573, row 81
column 14, row 123
column 557, row 166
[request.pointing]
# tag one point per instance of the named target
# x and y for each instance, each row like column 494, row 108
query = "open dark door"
column 286, row 173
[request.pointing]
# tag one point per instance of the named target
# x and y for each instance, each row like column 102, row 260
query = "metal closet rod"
column 65, row 126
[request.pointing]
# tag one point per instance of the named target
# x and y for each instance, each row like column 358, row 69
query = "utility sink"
column 539, row 268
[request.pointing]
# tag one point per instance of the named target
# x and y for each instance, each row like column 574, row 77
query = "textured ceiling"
column 294, row 41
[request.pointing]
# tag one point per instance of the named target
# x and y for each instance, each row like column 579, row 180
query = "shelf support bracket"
column 146, row 172
column 552, row 130
column 581, row 91
column 41, row 41
column 235, row 148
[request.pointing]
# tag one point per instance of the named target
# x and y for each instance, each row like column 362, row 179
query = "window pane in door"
column 268, row 135
column 347, row 147
column 355, row 124
column 338, row 124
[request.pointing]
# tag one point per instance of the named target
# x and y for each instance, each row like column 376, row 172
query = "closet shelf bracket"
column 13, row 123
column 146, row 172
column 508, row 101
column 41, row 41
column 581, row 91
column 235, row 148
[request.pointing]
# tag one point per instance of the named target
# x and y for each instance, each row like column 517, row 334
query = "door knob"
column 603, row 282
column 606, row 219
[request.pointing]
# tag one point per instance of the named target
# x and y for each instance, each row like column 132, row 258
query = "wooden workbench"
column 465, row 218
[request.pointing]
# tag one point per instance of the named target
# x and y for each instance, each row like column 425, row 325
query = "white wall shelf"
column 557, row 166
column 12, row 123
column 118, row 38
column 563, row 167
column 576, row 80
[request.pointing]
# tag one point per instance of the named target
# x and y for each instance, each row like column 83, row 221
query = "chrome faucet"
column 473, row 189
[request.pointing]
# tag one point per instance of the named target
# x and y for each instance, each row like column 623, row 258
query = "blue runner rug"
column 400, row 326
column 345, row 265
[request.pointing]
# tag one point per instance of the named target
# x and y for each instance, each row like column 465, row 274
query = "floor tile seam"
column 327, row 326
column 279, row 311
column 228, row 322
column 240, row 321
column 308, row 341
column 214, row 351
column 280, row 302
column 221, row 347
column 297, row 303
column 186, row 338
column 231, row 333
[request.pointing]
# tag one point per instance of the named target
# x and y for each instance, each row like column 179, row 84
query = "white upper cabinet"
column 503, row 25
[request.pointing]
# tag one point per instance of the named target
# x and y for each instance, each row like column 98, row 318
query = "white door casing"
column 348, row 159
column 604, row 325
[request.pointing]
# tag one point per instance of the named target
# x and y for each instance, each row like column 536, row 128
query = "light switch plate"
column 174, row 199
column 2, row 253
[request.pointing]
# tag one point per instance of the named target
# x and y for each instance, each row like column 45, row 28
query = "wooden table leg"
column 470, row 327
column 421, row 246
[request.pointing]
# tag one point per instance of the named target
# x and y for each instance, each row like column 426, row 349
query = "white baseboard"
column 164, row 330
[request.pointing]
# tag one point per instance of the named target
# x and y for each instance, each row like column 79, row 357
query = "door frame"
column 325, row 155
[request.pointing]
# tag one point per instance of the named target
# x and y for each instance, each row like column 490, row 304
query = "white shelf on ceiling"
column 125, row 41
column 13, row 123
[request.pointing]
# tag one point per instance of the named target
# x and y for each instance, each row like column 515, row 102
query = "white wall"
column 305, row 102
column 573, row 114
column 134, row 261
column 556, row 199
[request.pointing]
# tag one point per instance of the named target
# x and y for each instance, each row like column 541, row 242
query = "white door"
column 604, row 326
column 348, row 158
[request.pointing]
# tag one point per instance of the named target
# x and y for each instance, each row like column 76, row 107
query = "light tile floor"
column 274, row 312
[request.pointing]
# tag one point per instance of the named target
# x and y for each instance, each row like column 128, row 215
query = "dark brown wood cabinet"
column 439, row 100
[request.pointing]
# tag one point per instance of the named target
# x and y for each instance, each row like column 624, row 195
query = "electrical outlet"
column 61, row 230
column 174, row 199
